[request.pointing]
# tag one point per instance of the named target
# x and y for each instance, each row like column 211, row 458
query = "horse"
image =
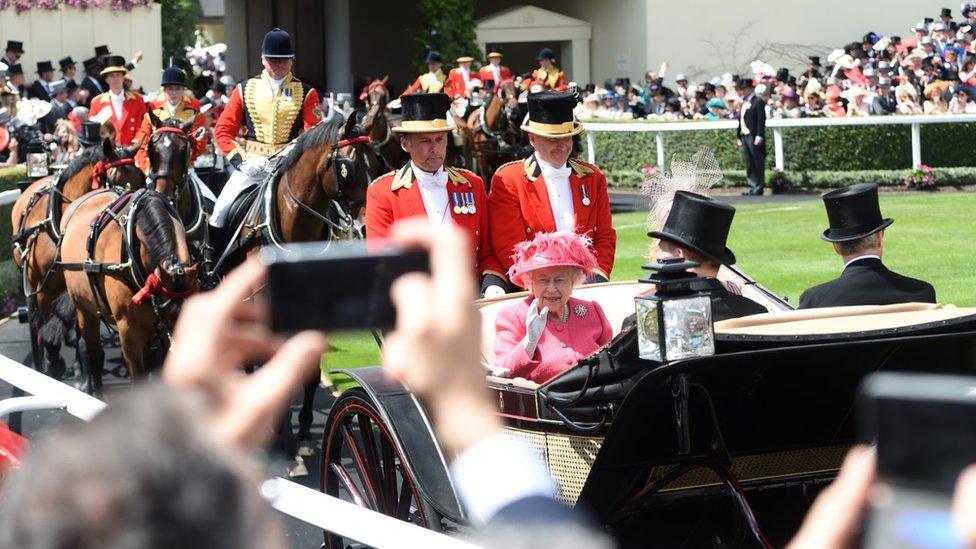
column 487, row 130
column 170, row 152
column 127, row 263
column 36, row 218
column 377, row 126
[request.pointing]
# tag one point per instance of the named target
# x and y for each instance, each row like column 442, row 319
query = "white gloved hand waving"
column 535, row 323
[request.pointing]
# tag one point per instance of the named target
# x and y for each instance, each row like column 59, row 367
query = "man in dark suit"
column 697, row 229
column 59, row 106
column 857, row 233
column 752, row 135
column 92, row 86
column 41, row 88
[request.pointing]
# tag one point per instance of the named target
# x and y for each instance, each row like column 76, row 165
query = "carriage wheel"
column 34, row 326
column 361, row 464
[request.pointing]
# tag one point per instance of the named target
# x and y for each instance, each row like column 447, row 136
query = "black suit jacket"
column 725, row 304
column 754, row 118
column 50, row 120
column 536, row 522
column 92, row 89
column 868, row 282
column 37, row 91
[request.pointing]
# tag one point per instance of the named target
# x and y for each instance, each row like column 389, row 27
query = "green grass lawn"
column 778, row 244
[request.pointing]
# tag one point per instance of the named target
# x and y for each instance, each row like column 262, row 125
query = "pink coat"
column 561, row 345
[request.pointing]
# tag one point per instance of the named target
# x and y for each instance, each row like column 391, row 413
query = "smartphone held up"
column 343, row 287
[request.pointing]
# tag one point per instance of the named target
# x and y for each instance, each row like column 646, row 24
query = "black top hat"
column 434, row 57
column 15, row 46
column 700, row 224
column 101, row 50
column 782, row 74
column 90, row 64
column 44, row 66
column 928, row 20
column 424, row 112
column 853, row 212
column 277, row 44
column 71, row 85
column 114, row 63
column 815, row 60
column 176, row 61
column 551, row 114
column 15, row 69
column 66, row 62
column 946, row 12
column 174, row 76
column 546, row 53
column 743, row 83
column 90, row 133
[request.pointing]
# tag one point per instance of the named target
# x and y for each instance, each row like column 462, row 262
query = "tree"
column 448, row 27
column 180, row 18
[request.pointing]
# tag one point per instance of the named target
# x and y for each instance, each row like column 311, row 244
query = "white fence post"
column 778, row 148
column 916, row 145
column 659, row 140
column 591, row 147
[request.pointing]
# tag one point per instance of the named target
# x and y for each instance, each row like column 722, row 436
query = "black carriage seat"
column 241, row 206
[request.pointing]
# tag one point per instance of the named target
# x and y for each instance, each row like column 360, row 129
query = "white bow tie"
column 549, row 172
column 431, row 180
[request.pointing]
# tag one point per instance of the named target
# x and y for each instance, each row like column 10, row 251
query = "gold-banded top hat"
column 494, row 52
column 114, row 63
column 551, row 114
column 424, row 112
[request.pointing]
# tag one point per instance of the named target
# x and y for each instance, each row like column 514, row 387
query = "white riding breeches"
column 250, row 174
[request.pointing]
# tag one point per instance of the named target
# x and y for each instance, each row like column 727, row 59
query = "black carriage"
column 724, row 450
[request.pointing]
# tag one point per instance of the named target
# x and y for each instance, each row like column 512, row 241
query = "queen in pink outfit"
column 548, row 332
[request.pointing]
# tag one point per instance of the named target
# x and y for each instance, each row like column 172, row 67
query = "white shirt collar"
column 436, row 179
column 550, row 170
column 117, row 97
column 860, row 257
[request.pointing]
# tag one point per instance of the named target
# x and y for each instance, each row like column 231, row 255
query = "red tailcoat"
column 133, row 110
column 455, row 86
column 520, row 208
column 485, row 74
column 396, row 196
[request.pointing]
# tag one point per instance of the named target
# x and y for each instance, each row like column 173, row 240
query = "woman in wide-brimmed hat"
column 548, row 332
column 935, row 102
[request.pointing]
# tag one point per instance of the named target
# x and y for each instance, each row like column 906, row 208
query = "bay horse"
column 487, row 131
column 36, row 217
column 170, row 153
column 378, row 126
column 126, row 263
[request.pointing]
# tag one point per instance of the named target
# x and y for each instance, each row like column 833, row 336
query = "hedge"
column 825, row 151
column 9, row 274
column 820, row 179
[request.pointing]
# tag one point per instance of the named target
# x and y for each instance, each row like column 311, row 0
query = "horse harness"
column 143, row 285
column 177, row 132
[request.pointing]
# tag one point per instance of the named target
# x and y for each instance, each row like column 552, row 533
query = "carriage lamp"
column 37, row 160
column 675, row 322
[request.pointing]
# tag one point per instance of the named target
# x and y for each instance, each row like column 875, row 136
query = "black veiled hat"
column 853, row 212
column 424, row 112
column 277, row 44
column 551, row 114
column 700, row 224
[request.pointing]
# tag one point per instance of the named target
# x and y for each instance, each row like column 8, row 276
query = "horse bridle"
column 178, row 184
column 337, row 166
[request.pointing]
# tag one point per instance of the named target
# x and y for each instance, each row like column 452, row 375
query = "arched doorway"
column 523, row 30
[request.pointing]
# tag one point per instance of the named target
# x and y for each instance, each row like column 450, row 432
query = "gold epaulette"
column 455, row 175
column 403, row 179
column 580, row 168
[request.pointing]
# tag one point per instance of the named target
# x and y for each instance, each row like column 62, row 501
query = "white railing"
column 777, row 125
column 310, row 506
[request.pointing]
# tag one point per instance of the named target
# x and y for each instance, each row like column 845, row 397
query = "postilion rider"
column 550, row 191
column 274, row 108
column 448, row 197
column 173, row 104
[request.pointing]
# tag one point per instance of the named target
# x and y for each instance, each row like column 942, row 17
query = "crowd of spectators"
column 932, row 70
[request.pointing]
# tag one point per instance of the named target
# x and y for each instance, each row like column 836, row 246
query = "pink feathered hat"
column 559, row 249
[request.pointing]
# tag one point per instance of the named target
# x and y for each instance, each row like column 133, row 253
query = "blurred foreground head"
column 143, row 474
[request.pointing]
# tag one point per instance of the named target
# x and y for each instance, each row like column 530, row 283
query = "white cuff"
column 497, row 472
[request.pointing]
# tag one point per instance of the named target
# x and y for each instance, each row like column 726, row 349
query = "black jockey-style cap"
column 701, row 224
column 174, row 76
column 551, row 114
column 853, row 212
column 277, row 45
column 15, row 46
column 424, row 112
column 546, row 53
column 44, row 66
column 101, row 51
column 434, row 57
column 66, row 62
